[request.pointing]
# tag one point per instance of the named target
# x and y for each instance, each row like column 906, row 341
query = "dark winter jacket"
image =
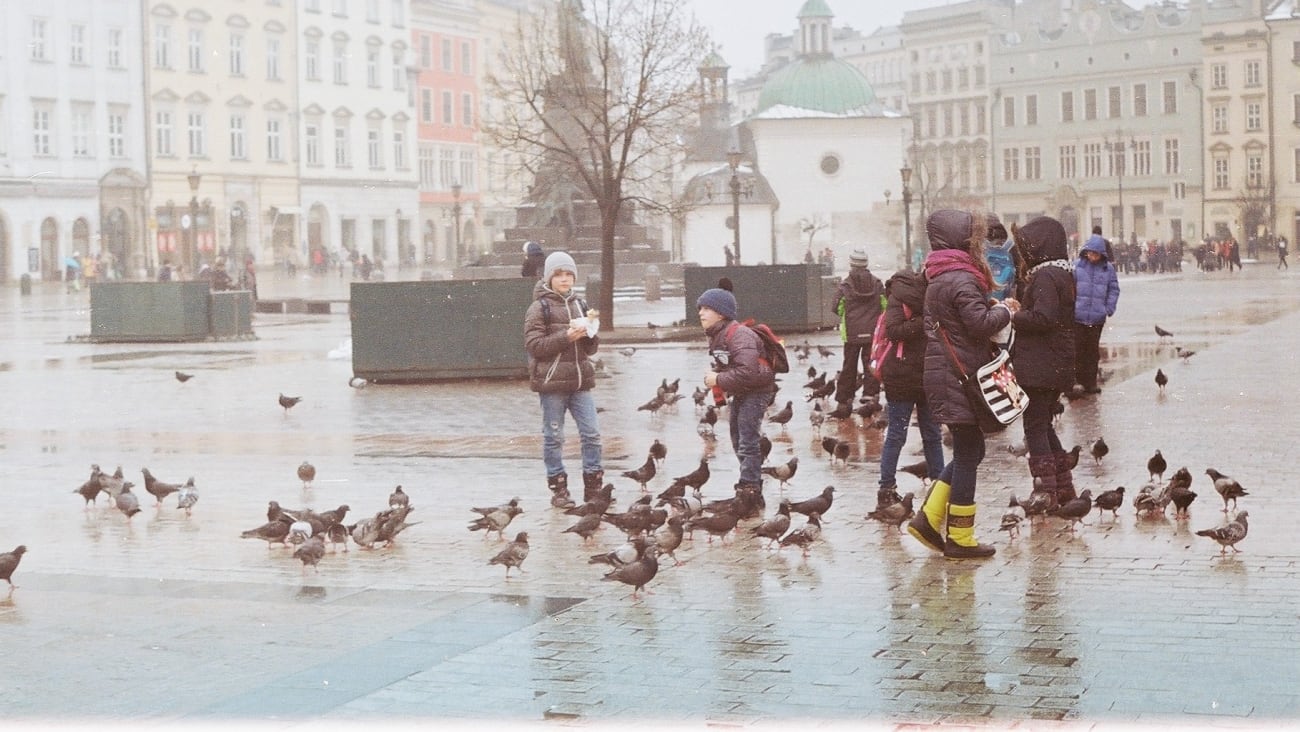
column 534, row 260
column 737, row 359
column 902, row 373
column 556, row 365
column 858, row 305
column 957, row 301
column 1096, row 286
column 1043, row 354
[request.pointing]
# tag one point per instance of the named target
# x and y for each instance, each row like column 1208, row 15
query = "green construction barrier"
column 148, row 311
column 788, row 297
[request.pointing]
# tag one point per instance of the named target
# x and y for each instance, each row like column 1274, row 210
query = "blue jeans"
column 746, row 421
column 967, row 454
column 900, row 415
column 583, row 408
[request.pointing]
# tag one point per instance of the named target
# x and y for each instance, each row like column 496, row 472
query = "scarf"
column 1061, row 263
column 954, row 260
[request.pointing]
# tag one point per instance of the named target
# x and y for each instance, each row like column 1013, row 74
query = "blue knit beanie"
column 719, row 301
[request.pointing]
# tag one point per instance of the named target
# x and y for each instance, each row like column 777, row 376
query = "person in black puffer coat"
column 959, row 321
column 858, row 303
column 901, row 373
column 1043, row 353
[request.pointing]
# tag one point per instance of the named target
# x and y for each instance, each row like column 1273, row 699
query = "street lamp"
column 455, row 213
column 194, row 179
column 733, row 160
column 905, row 173
column 1119, row 162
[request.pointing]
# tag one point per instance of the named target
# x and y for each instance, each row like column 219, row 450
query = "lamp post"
column 191, row 250
column 905, row 173
column 1119, row 162
column 455, row 214
column 733, row 160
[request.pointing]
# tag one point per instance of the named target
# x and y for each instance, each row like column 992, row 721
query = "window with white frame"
column 195, row 49
column 467, row 109
column 1011, row 163
column 195, row 130
column 947, row 120
column 426, row 52
column 81, row 128
column 1114, row 102
column 374, row 148
column 116, row 133
column 1033, row 163
column 1173, row 166
column 467, row 167
column 77, row 44
column 162, row 39
column 399, row 149
column 39, row 45
column 466, row 58
column 448, row 113
column 1092, row 160
column 399, row 70
column 341, row 152
column 236, row 54
column 428, row 167
column 163, row 133
column 1254, row 170
column 1066, row 163
column 446, row 168
column 42, row 124
column 963, row 119
column 1031, row 109
column 340, row 62
column 372, row 66
column 238, row 136
column 979, row 118
column 114, row 49
column 1218, row 76
column 1142, row 157
column 1295, row 162
column 399, row 13
column 1009, row 112
column 1139, row 100
column 1254, row 116
column 273, row 58
column 426, row 106
column 372, row 11
column 1221, row 173
column 446, row 55
column 311, row 60
column 1067, row 106
column 1253, row 76
column 1219, row 117
column 1169, row 93
column 311, row 140
column 1090, row 104
column 274, row 140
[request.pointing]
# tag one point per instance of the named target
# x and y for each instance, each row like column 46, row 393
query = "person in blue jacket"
column 1096, row 295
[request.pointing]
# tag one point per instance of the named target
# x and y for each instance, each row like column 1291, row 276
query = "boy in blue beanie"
column 740, row 371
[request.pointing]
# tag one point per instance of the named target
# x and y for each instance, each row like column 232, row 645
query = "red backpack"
column 773, row 349
column 881, row 345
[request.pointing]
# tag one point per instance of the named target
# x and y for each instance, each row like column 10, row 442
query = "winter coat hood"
column 1041, row 240
column 950, row 229
column 1094, row 244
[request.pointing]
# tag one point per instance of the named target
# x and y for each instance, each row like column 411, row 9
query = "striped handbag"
column 994, row 394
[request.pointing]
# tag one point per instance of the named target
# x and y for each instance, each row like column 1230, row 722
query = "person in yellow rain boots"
column 960, row 319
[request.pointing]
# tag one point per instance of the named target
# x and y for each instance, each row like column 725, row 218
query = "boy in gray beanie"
column 740, row 372
column 859, row 303
column 559, row 335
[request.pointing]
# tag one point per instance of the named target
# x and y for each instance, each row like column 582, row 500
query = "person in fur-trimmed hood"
column 1043, row 353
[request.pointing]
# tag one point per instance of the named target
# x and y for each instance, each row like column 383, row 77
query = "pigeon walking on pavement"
column 9, row 562
column 157, row 488
column 1109, row 500
column 1227, row 488
column 1161, row 380
column 1075, row 509
column 637, row 574
column 1156, row 466
column 783, row 473
column 1099, row 450
column 1229, row 534
column 288, row 402
column 187, row 497
column 513, row 555
column 895, row 513
column 306, row 473
column 775, row 527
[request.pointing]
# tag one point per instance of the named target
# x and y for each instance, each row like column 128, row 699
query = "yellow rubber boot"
column 961, row 542
column 927, row 525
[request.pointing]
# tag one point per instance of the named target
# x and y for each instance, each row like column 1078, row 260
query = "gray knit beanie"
column 556, row 261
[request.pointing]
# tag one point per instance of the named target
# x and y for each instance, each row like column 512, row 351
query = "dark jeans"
column 1040, row 436
column 855, row 353
column 900, row 415
column 746, row 421
column 967, row 454
column 1087, row 353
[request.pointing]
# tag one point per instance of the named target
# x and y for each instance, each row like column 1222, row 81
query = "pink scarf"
column 950, row 260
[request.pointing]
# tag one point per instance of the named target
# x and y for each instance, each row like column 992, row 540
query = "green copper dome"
column 815, row 9
column 820, row 83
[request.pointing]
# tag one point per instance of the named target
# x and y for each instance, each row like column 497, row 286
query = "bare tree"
column 1255, row 208
column 595, row 96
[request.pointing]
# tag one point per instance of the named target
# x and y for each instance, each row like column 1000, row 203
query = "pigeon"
column 513, row 555
column 1182, row 498
column 671, row 388
column 719, row 524
column 497, row 520
column 842, row 449
column 653, row 406
column 645, row 473
column 774, row 528
column 696, row 478
column 1144, row 501
column 157, row 488
column 783, row 416
column 764, row 448
column 9, row 562
column 1184, row 354
column 272, row 532
column 1110, row 500
column 818, row 504
column 485, row 510
column 669, row 537
column 585, row 527
column 91, row 489
column 1161, row 379
column 825, row 352
column 804, row 537
column 1227, row 535
column 1099, row 450
column 747, row 502
column 627, row 351
column 183, row 377
column 310, row 553
column 1011, row 523
column 1072, row 457
column 337, row 534
column 112, row 484
column 812, row 371
column 625, row 554
column 398, row 497
column 638, row 573
column 597, row 505
column 393, row 522
column 334, row 515
column 919, row 469
column 306, row 473
column 1039, row 502
column 1163, row 333
column 783, row 473
column 636, row 519
column 658, row 451
column 822, row 392
column 1156, row 466
column 869, row 409
column 1181, row 480
column 1074, row 509
column 817, row 417
column 366, row 531
column 126, row 501
column 288, row 402
column 894, row 513
column 274, row 512
column 187, row 497
column 1227, row 488
column 698, row 396
column 708, row 420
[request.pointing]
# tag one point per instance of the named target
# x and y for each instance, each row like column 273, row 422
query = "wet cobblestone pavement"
column 175, row 620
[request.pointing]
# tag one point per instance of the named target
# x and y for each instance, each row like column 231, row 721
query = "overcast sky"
column 740, row 25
